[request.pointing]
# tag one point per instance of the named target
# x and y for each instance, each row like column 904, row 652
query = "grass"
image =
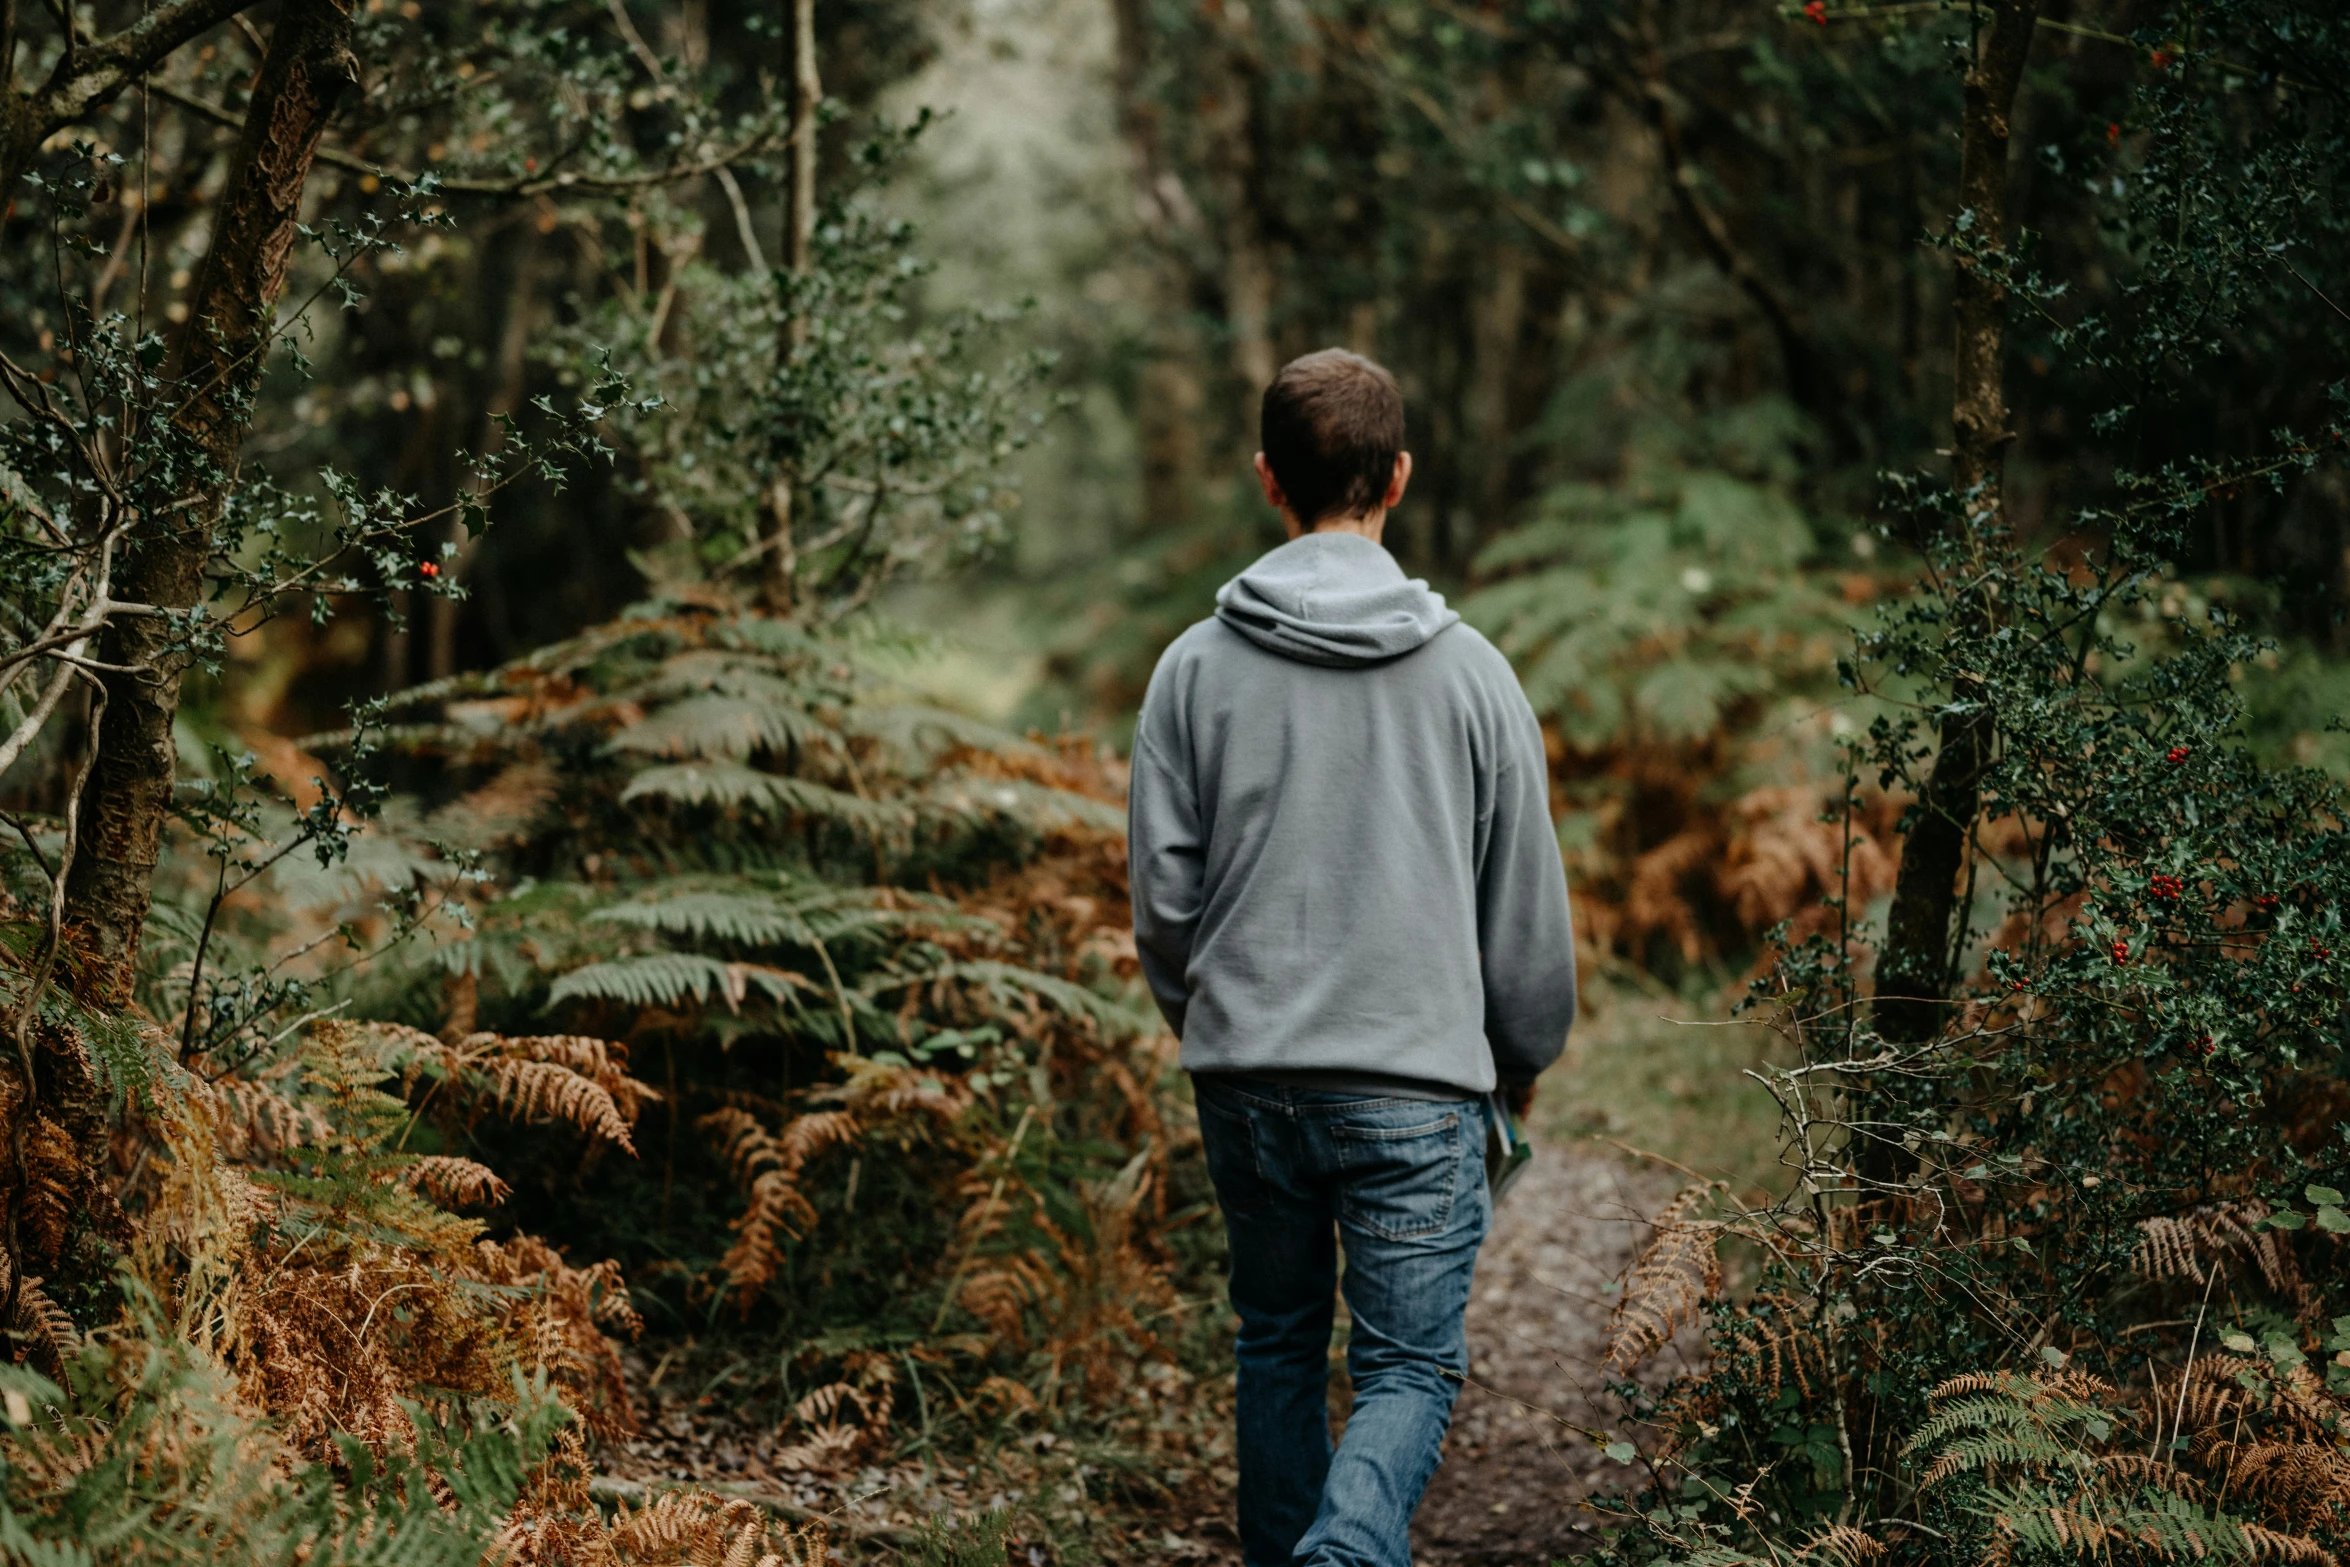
column 1665, row 1075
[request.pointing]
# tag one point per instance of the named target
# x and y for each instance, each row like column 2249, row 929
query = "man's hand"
column 1519, row 1097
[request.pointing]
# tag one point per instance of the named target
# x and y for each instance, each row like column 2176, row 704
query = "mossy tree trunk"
column 219, row 360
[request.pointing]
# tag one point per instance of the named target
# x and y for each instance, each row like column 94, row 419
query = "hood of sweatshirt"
column 1335, row 599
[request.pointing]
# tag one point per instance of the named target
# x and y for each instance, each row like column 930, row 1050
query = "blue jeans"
column 1403, row 1180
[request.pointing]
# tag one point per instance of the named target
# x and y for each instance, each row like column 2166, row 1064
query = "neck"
column 1370, row 525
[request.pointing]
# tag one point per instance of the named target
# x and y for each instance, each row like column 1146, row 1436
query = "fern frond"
column 454, row 1182
column 46, row 1323
column 665, row 978
column 1986, row 1420
column 1007, row 983
column 1039, row 805
column 2178, row 1246
column 744, row 919
column 603, row 1062
column 768, row 1165
column 54, row 1178
column 1670, row 1283
column 548, row 1090
column 2165, row 1526
column 717, row 724
column 253, row 1118
column 921, row 731
column 1844, row 1545
column 731, row 784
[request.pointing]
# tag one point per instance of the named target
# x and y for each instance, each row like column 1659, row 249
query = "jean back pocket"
column 1401, row 1169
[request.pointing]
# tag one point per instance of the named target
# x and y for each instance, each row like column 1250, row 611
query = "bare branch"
column 765, row 139
column 86, row 78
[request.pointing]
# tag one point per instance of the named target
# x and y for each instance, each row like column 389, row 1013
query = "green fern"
column 1008, row 984
column 1020, row 800
column 2016, row 1420
column 731, row 784
column 1657, row 607
column 664, row 979
column 722, row 725
column 2100, row 1524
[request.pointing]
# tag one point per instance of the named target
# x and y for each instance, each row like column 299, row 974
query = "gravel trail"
column 1517, row 1465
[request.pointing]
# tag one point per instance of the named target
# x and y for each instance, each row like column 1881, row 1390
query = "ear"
column 1275, row 498
column 1398, row 481
column 1273, row 494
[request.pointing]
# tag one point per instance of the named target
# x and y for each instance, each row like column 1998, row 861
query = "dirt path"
column 1515, row 1465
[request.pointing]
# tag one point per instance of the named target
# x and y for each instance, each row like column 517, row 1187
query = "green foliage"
column 889, row 429
column 978, row 1543
column 150, row 1457
column 1669, row 606
column 1986, row 1322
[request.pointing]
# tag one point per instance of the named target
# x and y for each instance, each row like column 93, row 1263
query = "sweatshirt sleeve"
column 1164, row 869
column 1526, row 945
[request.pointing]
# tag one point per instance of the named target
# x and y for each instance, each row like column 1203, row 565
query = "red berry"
column 2267, row 900
column 2178, row 753
column 2168, row 886
column 2160, row 59
column 1817, row 10
column 2121, row 952
column 2113, row 135
column 428, row 568
column 2206, row 1042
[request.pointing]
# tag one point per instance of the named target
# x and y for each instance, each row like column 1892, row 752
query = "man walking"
column 1349, row 903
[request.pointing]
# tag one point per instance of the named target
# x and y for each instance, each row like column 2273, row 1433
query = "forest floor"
column 1518, row 1466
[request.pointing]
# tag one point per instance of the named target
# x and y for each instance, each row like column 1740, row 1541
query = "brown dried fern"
column 1671, row 1282
column 556, row 1524
column 454, row 1182
column 769, row 1165
column 1844, row 1545
column 2180, row 1246
column 1786, row 1346
column 54, row 1179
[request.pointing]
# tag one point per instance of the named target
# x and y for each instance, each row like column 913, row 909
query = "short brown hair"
column 1331, row 427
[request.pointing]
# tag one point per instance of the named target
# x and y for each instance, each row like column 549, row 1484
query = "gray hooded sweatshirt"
column 1344, row 871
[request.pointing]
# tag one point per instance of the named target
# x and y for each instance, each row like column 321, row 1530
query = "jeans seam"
column 1267, row 1196
column 1277, row 1106
column 1376, row 1134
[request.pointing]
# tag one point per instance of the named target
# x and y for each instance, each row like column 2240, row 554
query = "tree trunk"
column 220, row 356
column 1169, row 396
column 1232, row 117
column 779, row 564
column 1914, row 973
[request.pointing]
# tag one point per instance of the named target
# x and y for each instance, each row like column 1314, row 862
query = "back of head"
column 1331, row 427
